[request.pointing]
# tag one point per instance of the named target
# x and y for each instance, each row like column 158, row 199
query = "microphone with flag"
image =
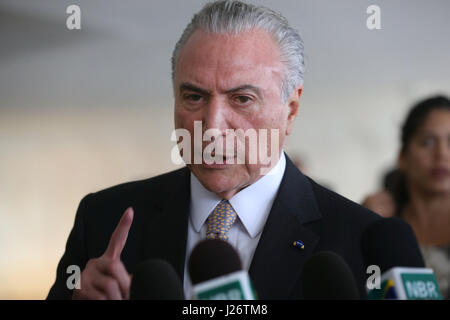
column 216, row 272
column 407, row 284
column 390, row 244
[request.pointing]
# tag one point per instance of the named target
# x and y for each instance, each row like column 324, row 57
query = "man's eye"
column 243, row 99
column 192, row 97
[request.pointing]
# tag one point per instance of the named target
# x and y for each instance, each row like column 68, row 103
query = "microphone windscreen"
column 390, row 242
column 212, row 258
column 326, row 276
column 155, row 279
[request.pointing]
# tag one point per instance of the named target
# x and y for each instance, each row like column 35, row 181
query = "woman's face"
column 426, row 160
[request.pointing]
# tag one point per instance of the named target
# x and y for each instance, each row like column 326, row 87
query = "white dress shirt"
column 252, row 205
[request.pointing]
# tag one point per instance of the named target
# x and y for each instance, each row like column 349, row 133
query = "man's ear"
column 293, row 105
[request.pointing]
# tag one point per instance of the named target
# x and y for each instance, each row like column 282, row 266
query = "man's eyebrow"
column 245, row 87
column 190, row 87
column 186, row 86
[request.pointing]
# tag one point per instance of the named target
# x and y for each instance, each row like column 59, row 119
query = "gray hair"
column 233, row 17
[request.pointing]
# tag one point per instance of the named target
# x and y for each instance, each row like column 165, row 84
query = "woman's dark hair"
column 418, row 114
column 395, row 180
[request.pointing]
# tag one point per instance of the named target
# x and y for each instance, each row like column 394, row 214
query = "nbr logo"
column 420, row 288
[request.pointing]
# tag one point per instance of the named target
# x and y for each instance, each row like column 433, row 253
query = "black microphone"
column 211, row 259
column 390, row 242
column 155, row 279
column 390, row 245
column 326, row 276
column 216, row 272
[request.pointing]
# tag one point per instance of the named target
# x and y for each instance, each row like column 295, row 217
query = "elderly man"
column 236, row 66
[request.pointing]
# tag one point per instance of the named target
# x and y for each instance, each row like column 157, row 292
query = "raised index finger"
column 119, row 236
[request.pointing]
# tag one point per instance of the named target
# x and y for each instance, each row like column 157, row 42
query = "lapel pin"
column 299, row 244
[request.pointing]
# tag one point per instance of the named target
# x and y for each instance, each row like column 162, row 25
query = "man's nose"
column 217, row 115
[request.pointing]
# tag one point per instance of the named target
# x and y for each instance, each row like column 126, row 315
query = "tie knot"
column 220, row 221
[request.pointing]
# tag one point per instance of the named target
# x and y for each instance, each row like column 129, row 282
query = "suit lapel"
column 165, row 229
column 276, row 264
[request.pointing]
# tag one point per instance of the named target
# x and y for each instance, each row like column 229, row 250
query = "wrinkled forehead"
column 210, row 57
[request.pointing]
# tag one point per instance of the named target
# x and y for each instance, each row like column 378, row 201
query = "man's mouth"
column 219, row 160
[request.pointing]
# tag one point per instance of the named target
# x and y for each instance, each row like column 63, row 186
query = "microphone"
column 326, row 276
column 216, row 272
column 155, row 279
column 390, row 244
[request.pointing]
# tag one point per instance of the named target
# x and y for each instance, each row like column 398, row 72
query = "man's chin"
column 213, row 168
column 223, row 179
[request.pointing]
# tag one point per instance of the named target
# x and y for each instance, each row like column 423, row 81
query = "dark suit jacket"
column 302, row 210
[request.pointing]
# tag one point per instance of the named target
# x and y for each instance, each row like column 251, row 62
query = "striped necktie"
column 220, row 221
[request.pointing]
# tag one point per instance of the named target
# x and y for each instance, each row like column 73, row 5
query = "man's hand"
column 105, row 277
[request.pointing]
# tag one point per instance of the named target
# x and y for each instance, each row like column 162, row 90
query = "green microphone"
column 390, row 245
column 402, row 283
column 216, row 273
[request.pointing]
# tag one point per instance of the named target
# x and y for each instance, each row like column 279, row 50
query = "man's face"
column 231, row 82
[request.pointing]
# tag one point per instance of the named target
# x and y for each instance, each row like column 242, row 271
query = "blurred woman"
column 419, row 190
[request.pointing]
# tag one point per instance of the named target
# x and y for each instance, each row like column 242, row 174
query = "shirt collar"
column 252, row 204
